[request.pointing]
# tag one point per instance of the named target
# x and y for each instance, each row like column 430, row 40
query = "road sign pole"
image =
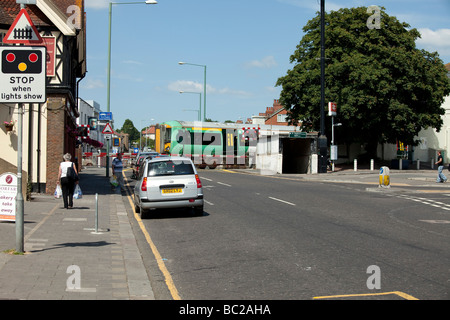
column 19, row 197
column 107, row 158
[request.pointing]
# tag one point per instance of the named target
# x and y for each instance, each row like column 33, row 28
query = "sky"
column 245, row 45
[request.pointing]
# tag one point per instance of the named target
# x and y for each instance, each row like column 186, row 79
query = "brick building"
column 275, row 115
column 49, row 129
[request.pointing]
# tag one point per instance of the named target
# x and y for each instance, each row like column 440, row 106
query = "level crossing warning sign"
column 107, row 129
column 23, row 31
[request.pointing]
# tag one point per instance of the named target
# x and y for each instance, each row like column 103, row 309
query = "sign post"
column 332, row 111
column 22, row 80
column 108, row 131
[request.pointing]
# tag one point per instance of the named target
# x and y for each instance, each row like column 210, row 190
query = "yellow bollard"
column 384, row 180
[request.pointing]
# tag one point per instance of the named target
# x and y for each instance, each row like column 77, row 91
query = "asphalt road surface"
column 264, row 237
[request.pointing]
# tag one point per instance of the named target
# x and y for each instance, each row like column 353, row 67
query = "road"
column 272, row 237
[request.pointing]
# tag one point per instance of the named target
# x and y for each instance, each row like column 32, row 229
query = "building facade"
column 49, row 129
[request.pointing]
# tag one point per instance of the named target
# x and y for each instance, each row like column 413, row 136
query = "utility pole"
column 322, row 138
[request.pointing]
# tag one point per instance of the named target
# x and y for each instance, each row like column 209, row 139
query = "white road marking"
column 276, row 199
column 224, row 184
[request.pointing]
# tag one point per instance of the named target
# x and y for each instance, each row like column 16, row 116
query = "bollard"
column 371, row 164
column 96, row 213
column 418, row 164
column 400, row 164
column 355, row 165
column 384, row 180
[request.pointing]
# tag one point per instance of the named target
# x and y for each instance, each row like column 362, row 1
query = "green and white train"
column 208, row 143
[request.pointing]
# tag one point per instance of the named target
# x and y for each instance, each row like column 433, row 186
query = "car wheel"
column 198, row 211
column 137, row 209
column 144, row 214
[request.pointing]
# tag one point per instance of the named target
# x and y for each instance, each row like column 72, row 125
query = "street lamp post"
column 322, row 138
column 200, row 103
column 108, row 86
column 204, row 85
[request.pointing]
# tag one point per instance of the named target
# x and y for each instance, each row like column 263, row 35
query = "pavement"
column 65, row 258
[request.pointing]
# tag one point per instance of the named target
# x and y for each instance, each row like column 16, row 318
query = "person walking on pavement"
column 440, row 162
column 117, row 169
column 67, row 184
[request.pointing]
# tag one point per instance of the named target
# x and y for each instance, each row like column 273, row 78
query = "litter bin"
column 384, row 177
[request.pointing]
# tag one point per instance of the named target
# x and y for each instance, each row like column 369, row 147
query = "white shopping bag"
column 58, row 192
column 77, row 194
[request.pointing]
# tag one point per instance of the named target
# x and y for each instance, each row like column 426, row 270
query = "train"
column 208, row 144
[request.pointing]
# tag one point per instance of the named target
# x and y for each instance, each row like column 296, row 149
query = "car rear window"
column 168, row 168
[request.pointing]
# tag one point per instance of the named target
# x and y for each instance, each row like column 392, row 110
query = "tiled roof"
column 447, row 66
column 9, row 10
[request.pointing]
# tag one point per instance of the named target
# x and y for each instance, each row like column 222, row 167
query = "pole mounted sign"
column 332, row 109
column 23, row 74
column 23, row 31
column 23, row 68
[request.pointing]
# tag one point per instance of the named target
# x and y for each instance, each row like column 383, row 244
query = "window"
column 282, row 118
column 167, row 168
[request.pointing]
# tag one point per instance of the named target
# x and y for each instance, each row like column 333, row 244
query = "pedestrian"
column 117, row 169
column 440, row 162
column 67, row 184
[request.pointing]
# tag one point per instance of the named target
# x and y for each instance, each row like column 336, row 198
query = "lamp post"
column 204, row 85
column 108, row 86
column 198, row 112
column 200, row 103
column 322, row 138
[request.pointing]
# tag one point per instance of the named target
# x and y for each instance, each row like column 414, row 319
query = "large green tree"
column 385, row 88
column 128, row 127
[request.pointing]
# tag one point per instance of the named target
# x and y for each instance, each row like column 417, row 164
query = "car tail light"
column 199, row 183
column 144, row 184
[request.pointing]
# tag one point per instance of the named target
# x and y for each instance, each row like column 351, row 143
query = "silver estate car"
column 168, row 182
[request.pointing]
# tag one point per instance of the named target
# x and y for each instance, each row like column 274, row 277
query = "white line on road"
column 224, row 184
column 203, row 178
column 276, row 199
column 207, row 202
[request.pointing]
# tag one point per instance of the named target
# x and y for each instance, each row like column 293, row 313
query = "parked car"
column 139, row 158
column 168, row 182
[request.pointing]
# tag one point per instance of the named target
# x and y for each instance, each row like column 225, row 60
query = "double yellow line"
column 168, row 278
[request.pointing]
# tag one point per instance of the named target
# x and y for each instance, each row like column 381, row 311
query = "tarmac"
column 66, row 259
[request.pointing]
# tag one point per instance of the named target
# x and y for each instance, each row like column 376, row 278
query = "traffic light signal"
column 22, row 61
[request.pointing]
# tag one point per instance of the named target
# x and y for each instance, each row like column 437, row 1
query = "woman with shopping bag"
column 68, row 180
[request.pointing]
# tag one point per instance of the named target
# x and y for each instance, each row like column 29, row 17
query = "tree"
column 385, row 88
column 128, row 127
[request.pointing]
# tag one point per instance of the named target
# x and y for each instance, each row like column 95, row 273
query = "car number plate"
column 173, row 190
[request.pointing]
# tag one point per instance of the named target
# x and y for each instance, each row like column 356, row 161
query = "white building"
column 89, row 112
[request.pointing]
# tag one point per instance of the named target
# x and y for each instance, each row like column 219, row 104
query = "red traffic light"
column 33, row 57
column 10, row 57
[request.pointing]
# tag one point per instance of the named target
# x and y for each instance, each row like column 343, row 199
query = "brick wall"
column 55, row 139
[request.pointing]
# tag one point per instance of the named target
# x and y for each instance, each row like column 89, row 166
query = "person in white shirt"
column 67, row 184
